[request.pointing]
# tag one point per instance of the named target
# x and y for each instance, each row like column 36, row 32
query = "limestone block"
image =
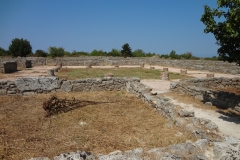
column 164, row 76
column 165, row 69
column 37, row 83
column 75, row 156
column 183, row 72
column 210, row 75
column 3, row 92
column 40, row 158
column 66, row 86
column 186, row 113
column 51, row 72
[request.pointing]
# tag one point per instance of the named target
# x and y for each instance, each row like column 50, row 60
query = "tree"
column 56, row 51
column 173, row 55
column 20, row 47
column 187, row 55
column 227, row 30
column 138, row 53
column 75, row 53
column 40, row 53
column 126, row 50
column 3, row 52
column 97, row 53
column 114, row 53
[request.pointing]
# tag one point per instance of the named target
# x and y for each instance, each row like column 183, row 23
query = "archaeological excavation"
column 64, row 110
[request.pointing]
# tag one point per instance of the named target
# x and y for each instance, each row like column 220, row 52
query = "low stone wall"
column 205, row 65
column 8, row 67
column 32, row 85
column 201, row 89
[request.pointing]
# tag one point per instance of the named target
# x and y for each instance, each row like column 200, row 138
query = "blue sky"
column 157, row 26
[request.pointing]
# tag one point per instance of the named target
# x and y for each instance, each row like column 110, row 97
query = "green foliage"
column 40, row 53
column 187, row 55
column 114, row 53
column 20, row 47
column 126, row 50
column 75, row 53
column 67, row 54
column 173, row 55
column 138, row 53
column 3, row 52
column 56, row 51
column 226, row 32
column 97, row 53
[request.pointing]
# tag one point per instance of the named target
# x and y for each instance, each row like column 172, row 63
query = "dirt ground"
column 103, row 123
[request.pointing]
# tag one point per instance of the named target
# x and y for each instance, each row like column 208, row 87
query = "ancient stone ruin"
column 204, row 129
column 8, row 67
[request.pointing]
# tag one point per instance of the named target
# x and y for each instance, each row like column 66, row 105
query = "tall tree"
column 56, row 51
column 226, row 28
column 126, row 50
column 20, row 47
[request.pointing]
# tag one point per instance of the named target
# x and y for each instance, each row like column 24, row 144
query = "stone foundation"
column 8, row 67
column 203, row 65
column 203, row 89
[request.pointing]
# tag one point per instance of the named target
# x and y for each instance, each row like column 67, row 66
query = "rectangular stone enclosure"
column 8, row 67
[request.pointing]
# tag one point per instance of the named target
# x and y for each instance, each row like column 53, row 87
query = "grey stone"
column 199, row 97
column 168, row 156
column 40, row 158
column 33, row 83
column 186, row 113
column 237, row 108
column 132, row 153
column 66, row 86
column 3, row 92
column 11, row 92
column 208, row 103
column 211, row 126
column 79, row 155
column 173, row 85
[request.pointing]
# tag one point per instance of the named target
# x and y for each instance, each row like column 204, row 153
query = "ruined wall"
column 32, row 85
column 8, row 67
column 213, row 66
column 206, row 91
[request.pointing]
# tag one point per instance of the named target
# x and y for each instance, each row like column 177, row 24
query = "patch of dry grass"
column 123, row 123
column 186, row 99
column 143, row 73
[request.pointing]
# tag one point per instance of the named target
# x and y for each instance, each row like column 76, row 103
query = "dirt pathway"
column 228, row 125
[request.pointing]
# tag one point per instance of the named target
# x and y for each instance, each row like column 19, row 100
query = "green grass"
column 142, row 73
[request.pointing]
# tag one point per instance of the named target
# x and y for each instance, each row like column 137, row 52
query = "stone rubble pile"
column 202, row 149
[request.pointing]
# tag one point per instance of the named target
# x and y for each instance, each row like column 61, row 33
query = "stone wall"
column 206, row 91
column 205, row 65
column 32, row 85
column 8, row 67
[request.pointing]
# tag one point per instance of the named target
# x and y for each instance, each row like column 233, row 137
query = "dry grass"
column 123, row 123
column 142, row 73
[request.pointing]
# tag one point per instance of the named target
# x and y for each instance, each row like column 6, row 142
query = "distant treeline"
column 22, row 48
